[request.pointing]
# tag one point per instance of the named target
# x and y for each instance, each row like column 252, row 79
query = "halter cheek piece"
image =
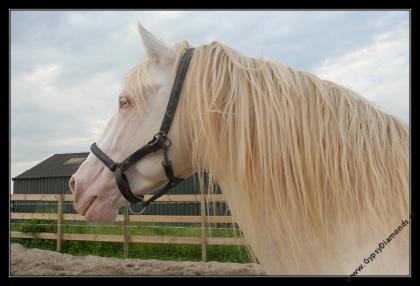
column 159, row 141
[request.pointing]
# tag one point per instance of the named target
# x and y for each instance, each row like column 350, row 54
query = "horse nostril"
column 72, row 184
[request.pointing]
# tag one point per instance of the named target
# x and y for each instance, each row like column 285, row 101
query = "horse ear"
column 155, row 48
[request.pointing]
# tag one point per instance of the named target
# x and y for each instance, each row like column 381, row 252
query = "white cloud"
column 49, row 118
column 379, row 71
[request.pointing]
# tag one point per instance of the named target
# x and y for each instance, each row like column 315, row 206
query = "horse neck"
column 281, row 252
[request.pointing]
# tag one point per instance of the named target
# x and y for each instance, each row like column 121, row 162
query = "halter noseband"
column 159, row 141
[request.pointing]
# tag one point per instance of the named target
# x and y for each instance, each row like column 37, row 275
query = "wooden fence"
column 60, row 217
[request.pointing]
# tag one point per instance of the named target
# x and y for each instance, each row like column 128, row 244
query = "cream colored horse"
column 314, row 175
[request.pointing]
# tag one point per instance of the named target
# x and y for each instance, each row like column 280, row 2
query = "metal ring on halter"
column 156, row 137
column 136, row 213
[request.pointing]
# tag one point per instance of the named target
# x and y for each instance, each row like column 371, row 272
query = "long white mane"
column 314, row 175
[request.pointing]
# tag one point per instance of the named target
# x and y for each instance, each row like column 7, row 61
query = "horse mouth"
column 87, row 206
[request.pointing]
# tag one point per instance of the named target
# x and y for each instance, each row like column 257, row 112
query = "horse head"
column 141, row 107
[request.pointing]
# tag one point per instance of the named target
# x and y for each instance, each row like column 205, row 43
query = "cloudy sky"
column 67, row 66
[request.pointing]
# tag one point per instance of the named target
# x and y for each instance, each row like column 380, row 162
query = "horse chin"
column 100, row 213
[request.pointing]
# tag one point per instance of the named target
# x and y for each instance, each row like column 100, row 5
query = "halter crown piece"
column 159, row 141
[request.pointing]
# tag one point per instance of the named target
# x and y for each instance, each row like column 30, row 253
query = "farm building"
column 52, row 175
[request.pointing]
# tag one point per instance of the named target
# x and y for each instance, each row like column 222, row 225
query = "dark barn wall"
column 59, row 185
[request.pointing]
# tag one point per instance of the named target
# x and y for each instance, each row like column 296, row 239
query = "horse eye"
column 125, row 102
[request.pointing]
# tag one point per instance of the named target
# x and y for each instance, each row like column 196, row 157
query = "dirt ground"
column 43, row 262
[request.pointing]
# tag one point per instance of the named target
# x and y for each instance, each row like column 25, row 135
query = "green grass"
column 221, row 253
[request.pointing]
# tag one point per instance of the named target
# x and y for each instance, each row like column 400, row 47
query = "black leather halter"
column 159, row 141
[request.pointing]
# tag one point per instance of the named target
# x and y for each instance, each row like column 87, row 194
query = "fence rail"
column 125, row 238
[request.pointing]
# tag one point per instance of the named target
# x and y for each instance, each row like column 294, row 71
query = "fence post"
column 203, row 229
column 126, row 220
column 59, row 222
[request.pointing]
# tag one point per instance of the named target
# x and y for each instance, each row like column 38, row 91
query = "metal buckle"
column 167, row 142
